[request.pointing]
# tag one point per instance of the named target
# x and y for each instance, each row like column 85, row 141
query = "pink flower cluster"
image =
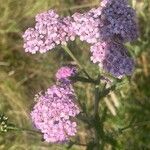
column 113, row 58
column 55, row 110
column 54, row 113
column 86, row 27
column 65, row 72
column 114, row 21
column 50, row 30
column 117, row 25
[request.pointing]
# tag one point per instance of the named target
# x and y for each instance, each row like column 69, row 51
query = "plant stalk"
column 78, row 63
column 13, row 128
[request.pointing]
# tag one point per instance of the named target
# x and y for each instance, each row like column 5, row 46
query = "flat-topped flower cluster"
column 55, row 110
column 113, row 23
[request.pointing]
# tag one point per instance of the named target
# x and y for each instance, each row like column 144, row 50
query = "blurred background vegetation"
column 23, row 75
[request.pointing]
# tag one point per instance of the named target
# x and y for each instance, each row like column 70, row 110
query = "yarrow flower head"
column 65, row 72
column 50, row 30
column 119, row 21
column 86, row 27
column 113, row 58
column 113, row 19
column 54, row 112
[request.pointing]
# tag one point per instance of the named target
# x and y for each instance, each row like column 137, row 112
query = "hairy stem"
column 97, row 121
column 96, row 103
column 83, row 79
column 78, row 63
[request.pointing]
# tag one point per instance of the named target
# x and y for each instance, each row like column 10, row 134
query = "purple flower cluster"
column 119, row 21
column 113, row 58
column 50, row 30
column 65, row 72
column 117, row 25
column 107, row 28
column 54, row 113
column 113, row 19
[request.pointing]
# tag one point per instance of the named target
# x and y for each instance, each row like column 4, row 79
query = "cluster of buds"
column 65, row 73
column 3, row 123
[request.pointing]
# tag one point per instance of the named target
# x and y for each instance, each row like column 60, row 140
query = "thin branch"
column 120, row 131
column 14, row 128
column 78, row 63
column 137, row 124
column 30, row 130
column 96, row 103
column 97, row 122
column 107, row 91
column 83, row 79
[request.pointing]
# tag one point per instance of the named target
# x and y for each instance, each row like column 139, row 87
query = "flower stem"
column 96, row 103
column 14, row 128
column 97, row 121
column 83, row 79
column 78, row 63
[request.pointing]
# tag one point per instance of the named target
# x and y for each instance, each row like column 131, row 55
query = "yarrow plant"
column 105, row 29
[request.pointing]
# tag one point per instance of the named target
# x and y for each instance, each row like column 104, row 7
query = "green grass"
column 23, row 75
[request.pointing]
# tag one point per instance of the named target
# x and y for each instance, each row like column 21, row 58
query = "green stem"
column 96, row 103
column 138, row 124
column 97, row 122
column 83, row 79
column 13, row 128
column 107, row 91
column 30, row 130
column 97, row 97
column 78, row 63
